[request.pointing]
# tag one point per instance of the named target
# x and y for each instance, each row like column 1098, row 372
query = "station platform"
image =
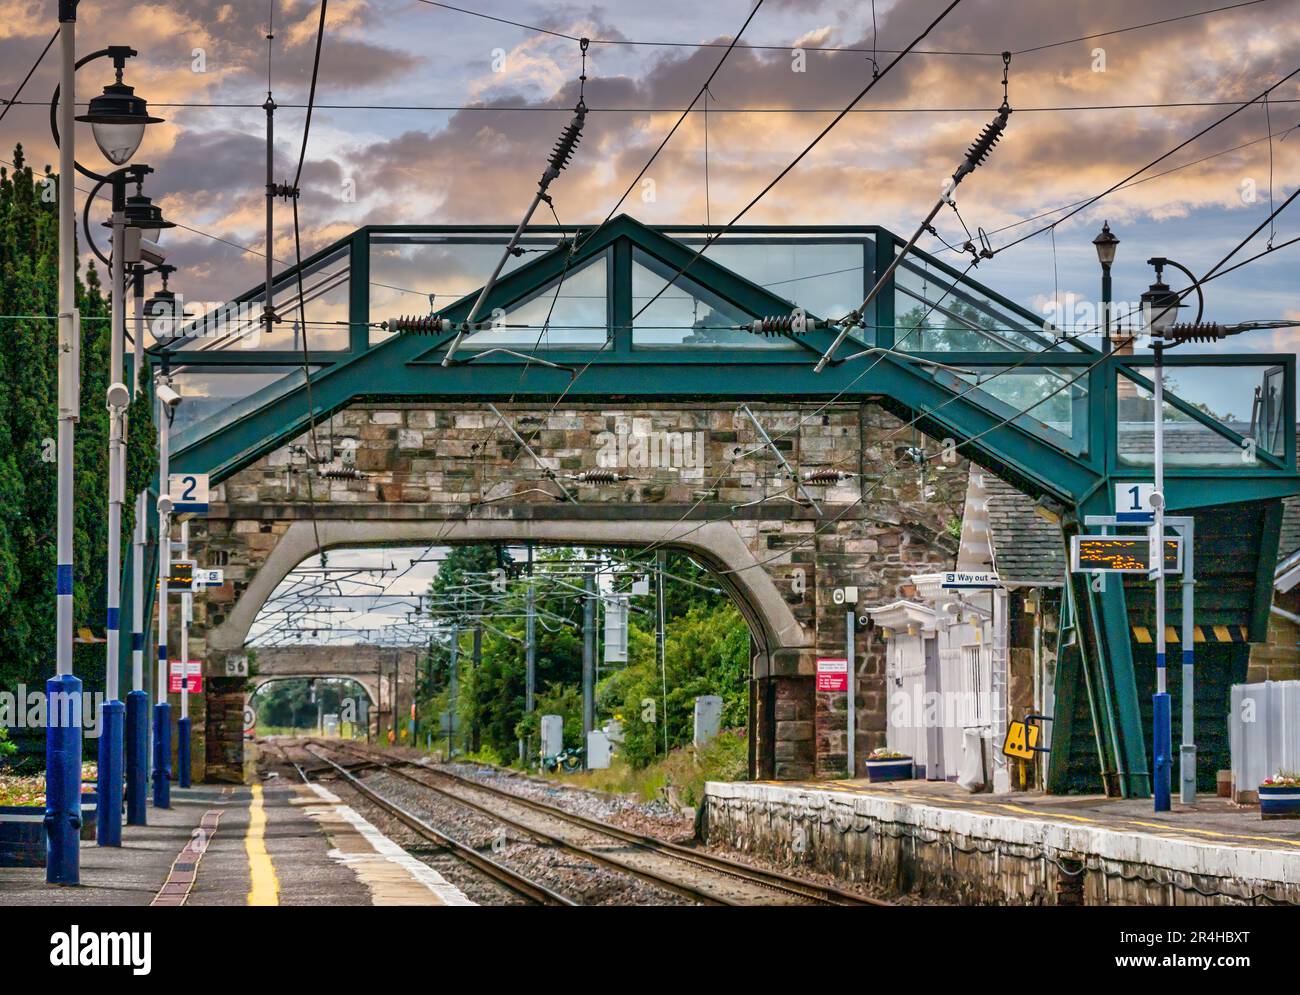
column 271, row 843
column 938, row 841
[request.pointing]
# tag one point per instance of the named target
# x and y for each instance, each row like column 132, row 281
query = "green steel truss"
column 1070, row 467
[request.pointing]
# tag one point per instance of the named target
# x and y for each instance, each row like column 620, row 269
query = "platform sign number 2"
column 189, row 493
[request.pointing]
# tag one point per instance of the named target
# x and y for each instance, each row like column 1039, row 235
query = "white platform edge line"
column 420, row 871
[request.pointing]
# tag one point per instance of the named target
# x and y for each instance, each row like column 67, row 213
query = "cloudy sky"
column 419, row 159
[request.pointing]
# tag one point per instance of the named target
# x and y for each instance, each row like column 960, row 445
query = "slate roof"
column 1289, row 539
column 1027, row 549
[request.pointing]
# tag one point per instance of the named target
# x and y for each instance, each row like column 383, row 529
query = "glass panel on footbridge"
column 685, row 312
column 1214, row 416
column 416, row 274
column 938, row 310
column 1050, row 402
column 312, row 316
column 571, row 312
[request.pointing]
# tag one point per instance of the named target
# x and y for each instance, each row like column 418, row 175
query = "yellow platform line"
column 1211, row 832
column 265, row 886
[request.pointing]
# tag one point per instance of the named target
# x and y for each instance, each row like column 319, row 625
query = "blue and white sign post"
column 189, row 497
column 1162, row 734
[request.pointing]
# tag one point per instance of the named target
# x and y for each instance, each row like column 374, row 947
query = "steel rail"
column 503, row 875
column 823, row 894
column 393, row 766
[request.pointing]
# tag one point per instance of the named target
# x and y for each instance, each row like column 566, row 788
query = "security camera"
column 168, row 396
column 165, row 504
column 118, row 396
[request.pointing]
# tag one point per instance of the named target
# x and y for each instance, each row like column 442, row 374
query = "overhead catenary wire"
column 1160, row 158
column 855, row 50
column 801, row 155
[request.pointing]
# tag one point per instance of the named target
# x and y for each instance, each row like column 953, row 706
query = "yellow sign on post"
column 1021, row 740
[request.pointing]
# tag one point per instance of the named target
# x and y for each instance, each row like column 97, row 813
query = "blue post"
column 162, row 755
column 183, row 749
column 63, row 780
column 1162, row 745
column 137, row 758
column 108, row 793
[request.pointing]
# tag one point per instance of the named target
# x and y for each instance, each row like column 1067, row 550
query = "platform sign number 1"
column 189, row 493
column 1133, row 503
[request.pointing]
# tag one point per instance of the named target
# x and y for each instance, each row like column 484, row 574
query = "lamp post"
column 141, row 213
column 1160, row 305
column 168, row 399
column 1160, row 309
column 1106, row 244
column 118, row 119
column 133, row 219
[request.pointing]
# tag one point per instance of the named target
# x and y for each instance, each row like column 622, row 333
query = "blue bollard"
column 63, row 780
column 108, row 793
column 1162, row 747
column 183, row 750
column 162, row 755
column 137, row 759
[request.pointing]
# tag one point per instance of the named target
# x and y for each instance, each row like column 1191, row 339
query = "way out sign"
column 193, row 671
column 970, row 580
column 1022, row 738
column 189, row 493
column 832, row 674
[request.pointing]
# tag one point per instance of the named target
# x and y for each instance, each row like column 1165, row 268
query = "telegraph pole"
column 477, row 658
column 530, row 659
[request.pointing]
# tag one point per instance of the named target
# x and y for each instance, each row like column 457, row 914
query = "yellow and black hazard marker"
column 1200, row 634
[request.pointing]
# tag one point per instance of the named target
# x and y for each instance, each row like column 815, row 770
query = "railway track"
column 703, row 877
column 511, row 879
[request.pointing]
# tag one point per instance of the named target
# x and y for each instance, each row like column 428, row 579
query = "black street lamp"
column 117, row 117
column 1106, row 244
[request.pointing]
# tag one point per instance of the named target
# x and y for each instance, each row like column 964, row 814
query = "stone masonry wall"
column 696, row 463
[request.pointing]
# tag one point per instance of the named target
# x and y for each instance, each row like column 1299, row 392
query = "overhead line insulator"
column 1206, row 331
column 599, row 476
column 826, row 475
column 565, row 144
column 983, row 145
column 432, row 324
column 784, row 324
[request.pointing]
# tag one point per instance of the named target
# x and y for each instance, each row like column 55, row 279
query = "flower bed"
column 22, row 816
